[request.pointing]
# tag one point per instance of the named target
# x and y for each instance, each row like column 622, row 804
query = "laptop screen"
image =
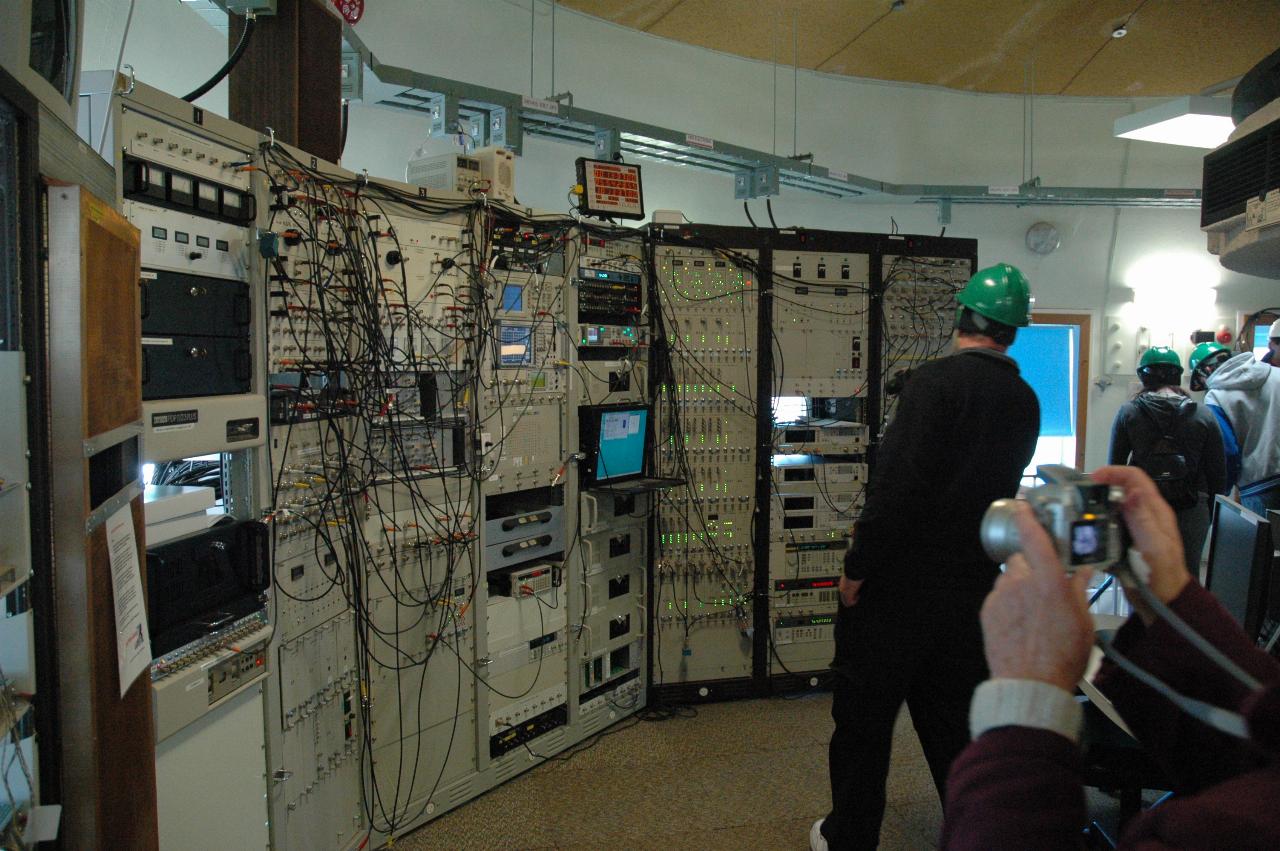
column 621, row 447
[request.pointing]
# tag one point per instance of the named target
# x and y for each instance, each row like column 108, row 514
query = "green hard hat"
column 1205, row 351
column 1000, row 293
column 1160, row 356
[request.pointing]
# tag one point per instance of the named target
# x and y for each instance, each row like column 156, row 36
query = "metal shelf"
column 501, row 117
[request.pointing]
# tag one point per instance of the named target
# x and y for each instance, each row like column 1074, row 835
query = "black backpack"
column 1166, row 463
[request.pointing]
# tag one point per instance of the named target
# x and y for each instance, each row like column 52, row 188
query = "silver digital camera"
column 1081, row 516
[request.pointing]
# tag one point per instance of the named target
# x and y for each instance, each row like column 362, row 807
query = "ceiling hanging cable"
column 1024, row 123
column 774, row 150
column 533, row 10
column 553, row 49
column 854, row 40
column 1029, row 120
column 1103, row 382
column 795, row 79
column 1117, row 33
column 102, row 141
column 250, row 20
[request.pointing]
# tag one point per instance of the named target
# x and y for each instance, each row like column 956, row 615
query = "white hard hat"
column 1275, row 330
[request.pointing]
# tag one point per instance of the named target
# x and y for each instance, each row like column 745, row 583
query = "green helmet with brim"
column 1001, row 293
column 1160, row 356
column 1207, row 353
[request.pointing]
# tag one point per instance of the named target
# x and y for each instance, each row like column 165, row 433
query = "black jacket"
column 965, row 429
column 1192, row 426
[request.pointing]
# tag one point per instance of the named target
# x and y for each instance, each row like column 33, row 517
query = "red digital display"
column 804, row 584
column 611, row 189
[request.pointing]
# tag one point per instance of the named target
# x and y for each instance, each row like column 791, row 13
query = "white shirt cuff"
column 1024, row 703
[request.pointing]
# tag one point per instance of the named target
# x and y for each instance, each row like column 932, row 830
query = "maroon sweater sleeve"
column 1193, row 754
column 1015, row 787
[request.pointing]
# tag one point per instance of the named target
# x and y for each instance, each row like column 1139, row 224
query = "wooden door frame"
column 1084, row 321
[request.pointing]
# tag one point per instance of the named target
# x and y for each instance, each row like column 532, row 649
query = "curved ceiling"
column 1171, row 47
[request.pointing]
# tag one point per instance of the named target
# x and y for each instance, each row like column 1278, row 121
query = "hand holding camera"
column 1081, row 515
column 1153, row 528
column 1092, row 521
column 1036, row 623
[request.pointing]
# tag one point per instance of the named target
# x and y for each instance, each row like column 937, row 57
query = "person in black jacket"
column 1177, row 442
column 915, row 574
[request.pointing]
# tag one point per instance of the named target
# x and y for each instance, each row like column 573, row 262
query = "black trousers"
column 915, row 645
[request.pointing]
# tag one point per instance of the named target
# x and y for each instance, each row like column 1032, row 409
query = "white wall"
column 898, row 133
column 892, row 132
column 169, row 46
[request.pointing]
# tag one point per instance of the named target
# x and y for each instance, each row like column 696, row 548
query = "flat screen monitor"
column 515, row 344
column 512, row 297
column 615, row 440
column 40, row 49
column 1270, row 631
column 1240, row 563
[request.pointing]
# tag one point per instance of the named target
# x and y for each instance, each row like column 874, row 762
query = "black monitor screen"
column 615, row 439
column 54, row 42
column 1240, row 557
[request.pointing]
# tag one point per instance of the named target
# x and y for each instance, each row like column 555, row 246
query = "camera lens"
column 999, row 532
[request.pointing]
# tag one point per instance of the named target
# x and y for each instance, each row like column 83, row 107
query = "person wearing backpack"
column 1177, row 443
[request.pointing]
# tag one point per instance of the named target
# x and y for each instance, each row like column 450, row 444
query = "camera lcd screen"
column 1088, row 541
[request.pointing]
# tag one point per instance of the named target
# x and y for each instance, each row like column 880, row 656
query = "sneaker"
column 817, row 842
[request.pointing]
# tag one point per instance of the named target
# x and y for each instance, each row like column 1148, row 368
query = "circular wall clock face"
column 1043, row 238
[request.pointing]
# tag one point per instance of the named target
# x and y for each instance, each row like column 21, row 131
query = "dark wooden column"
column 289, row 79
column 108, row 742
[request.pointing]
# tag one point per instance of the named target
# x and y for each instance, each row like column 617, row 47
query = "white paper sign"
column 540, row 105
column 133, row 643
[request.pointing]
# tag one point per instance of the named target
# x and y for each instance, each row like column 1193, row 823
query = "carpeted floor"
column 743, row 775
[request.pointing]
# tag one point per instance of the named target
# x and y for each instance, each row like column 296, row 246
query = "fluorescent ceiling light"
column 1198, row 122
